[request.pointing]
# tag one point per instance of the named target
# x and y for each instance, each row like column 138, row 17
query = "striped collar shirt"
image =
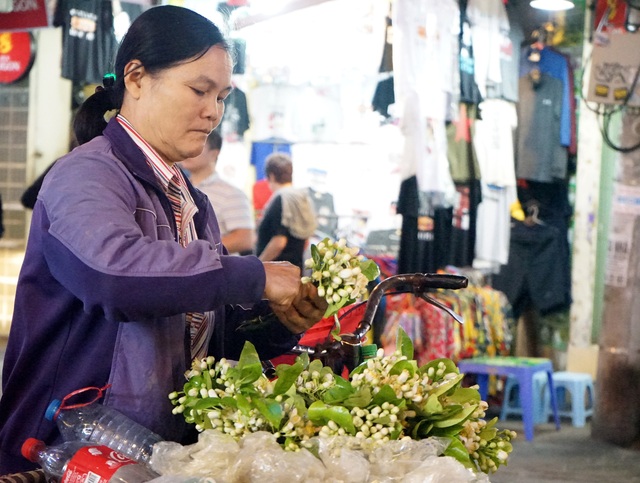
column 166, row 175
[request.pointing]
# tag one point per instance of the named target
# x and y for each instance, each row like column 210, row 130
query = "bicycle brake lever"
column 440, row 305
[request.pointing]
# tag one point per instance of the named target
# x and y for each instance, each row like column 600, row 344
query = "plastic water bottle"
column 74, row 461
column 106, row 426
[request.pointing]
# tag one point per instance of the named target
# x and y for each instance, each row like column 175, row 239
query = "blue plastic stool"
column 524, row 370
column 511, row 399
column 579, row 385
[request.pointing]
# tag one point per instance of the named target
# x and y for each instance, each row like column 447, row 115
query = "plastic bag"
column 258, row 458
column 261, row 459
column 210, row 457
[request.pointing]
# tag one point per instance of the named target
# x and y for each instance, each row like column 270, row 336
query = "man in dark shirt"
column 289, row 218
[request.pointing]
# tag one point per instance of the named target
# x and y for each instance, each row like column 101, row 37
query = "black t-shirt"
column 271, row 225
column 88, row 42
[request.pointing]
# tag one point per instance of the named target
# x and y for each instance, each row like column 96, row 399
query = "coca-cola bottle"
column 74, row 461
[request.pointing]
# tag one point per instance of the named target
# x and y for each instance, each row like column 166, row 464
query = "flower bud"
column 345, row 273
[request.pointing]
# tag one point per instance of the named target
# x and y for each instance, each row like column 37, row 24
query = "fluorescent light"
column 553, row 5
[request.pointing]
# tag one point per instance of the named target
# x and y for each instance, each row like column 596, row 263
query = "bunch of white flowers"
column 386, row 398
column 340, row 272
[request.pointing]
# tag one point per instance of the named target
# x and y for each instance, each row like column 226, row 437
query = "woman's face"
column 176, row 109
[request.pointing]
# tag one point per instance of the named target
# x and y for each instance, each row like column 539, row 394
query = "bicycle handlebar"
column 416, row 283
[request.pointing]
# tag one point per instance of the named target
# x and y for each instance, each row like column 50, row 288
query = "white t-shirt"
column 231, row 204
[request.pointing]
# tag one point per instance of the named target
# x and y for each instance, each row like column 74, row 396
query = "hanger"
column 532, row 216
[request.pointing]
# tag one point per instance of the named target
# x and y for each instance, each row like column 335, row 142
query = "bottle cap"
column 51, row 411
column 368, row 351
column 30, row 448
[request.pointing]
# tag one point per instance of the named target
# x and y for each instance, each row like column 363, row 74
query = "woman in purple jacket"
column 125, row 279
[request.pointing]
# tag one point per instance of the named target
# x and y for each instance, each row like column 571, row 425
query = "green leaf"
column 370, row 269
column 244, row 405
column 463, row 395
column 315, row 255
column 339, row 392
column 249, row 365
column 386, row 394
column 449, row 366
column 287, row 376
column 296, row 401
column 360, row 399
column 459, row 418
column 458, row 451
column 333, row 308
column 422, row 429
column 207, row 403
column 316, row 366
column 446, row 386
column 271, row 411
column 433, row 406
column 398, row 367
column 320, row 413
column 335, row 331
column 449, row 431
column 403, row 341
column 448, row 411
column 229, row 402
column 207, row 379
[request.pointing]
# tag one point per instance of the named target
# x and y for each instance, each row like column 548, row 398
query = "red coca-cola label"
column 94, row 464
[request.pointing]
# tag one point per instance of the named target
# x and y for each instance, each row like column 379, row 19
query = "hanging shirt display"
column 489, row 25
column 88, row 39
column 556, row 65
column 540, row 155
column 469, row 91
column 493, row 143
column 236, row 116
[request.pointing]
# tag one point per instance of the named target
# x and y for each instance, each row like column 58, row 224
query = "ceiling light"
column 553, row 5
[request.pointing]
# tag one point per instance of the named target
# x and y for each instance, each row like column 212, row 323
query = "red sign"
column 25, row 15
column 615, row 11
column 16, row 56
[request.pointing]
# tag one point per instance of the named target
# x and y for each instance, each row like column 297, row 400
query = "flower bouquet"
column 386, row 411
column 342, row 275
column 385, row 399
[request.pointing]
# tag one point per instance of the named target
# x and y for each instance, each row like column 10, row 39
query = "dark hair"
column 161, row 37
column 280, row 166
column 214, row 140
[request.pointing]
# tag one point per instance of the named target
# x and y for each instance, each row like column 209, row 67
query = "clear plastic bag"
column 210, row 457
column 258, row 458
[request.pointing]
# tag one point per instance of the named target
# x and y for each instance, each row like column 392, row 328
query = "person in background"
column 125, row 280
column 231, row 204
column 289, row 218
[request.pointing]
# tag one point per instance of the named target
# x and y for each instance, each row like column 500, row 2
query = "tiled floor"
column 566, row 456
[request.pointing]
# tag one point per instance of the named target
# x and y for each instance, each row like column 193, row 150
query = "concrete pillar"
column 617, row 413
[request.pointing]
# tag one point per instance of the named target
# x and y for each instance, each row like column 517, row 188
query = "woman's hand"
column 282, row 283
column 306, row 310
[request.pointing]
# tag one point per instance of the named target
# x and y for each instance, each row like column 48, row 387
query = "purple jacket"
column 102, row 294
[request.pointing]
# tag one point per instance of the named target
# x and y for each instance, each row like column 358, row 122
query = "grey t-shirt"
column 539, row 153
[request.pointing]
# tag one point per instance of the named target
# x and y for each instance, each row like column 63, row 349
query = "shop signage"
column 16, row 56
column 614, row 66
column 24, row 15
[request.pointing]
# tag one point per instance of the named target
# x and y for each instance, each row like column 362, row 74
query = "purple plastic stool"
column 523, row 369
